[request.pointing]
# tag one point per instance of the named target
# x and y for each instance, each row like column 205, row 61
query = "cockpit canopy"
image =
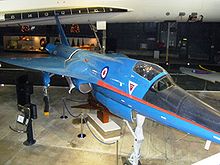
column 147, row 70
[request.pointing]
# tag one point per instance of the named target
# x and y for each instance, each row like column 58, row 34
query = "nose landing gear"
column 134, row 158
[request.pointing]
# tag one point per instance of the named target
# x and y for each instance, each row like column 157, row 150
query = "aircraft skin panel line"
column 189, row 123
column 71, row 55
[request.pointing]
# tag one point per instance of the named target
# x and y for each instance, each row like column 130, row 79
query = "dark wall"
column 131, row 35
column 203, row 39
column 124, row 36
column 1, row 42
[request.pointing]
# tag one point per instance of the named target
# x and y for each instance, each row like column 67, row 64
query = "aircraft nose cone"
column 199, row 112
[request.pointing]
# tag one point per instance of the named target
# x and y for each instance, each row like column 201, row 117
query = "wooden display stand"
column 103, row 116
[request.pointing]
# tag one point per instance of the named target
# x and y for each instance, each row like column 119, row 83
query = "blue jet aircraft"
column 125, row 86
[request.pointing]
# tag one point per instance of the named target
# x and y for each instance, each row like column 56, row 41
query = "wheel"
column 127, row 163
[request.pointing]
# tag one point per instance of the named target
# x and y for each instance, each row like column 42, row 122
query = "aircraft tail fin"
column 61, row 32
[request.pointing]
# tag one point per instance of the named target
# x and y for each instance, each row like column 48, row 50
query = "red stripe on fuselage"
column 107, row 86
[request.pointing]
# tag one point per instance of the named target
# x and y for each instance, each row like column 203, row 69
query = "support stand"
column 117, row 152
column 104, row 41
column 168, row 42
column 170, row 25
column 32, row 114
column 24, row 90
column 81, row 135
column 93, row 28
column 30, row 139
column 64, row 117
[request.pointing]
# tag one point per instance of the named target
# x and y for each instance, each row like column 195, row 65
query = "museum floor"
column 57, row 141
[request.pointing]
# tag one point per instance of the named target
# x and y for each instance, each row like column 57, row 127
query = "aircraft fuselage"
column 125, row 85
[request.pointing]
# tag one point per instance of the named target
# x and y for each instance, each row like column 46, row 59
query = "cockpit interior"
column 147, row 70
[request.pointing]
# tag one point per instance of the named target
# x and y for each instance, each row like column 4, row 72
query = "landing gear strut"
column 134, row 158
column 46, row 101
column 46, row 82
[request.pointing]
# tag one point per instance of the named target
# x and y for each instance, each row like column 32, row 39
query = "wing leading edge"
column 55, row 65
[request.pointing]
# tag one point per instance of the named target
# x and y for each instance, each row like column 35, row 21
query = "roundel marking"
column 104, row 72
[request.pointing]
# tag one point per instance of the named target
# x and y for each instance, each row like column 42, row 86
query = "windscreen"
column 162, row 84
column 147, row 70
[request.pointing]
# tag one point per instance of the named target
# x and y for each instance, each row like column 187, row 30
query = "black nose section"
column 177, row 100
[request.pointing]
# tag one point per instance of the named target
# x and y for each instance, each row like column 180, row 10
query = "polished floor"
column 57, row 141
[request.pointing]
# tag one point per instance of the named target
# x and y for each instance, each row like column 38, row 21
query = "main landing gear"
column 134, row 158
column 46, row 82
column 46, row 101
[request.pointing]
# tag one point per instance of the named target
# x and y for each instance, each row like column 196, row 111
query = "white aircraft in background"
column 202, row 73
column 41, row 12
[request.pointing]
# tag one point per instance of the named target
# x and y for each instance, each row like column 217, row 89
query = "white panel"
column 101, row 25
column 2, row 17
column 20, row 119
column 207, row 145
